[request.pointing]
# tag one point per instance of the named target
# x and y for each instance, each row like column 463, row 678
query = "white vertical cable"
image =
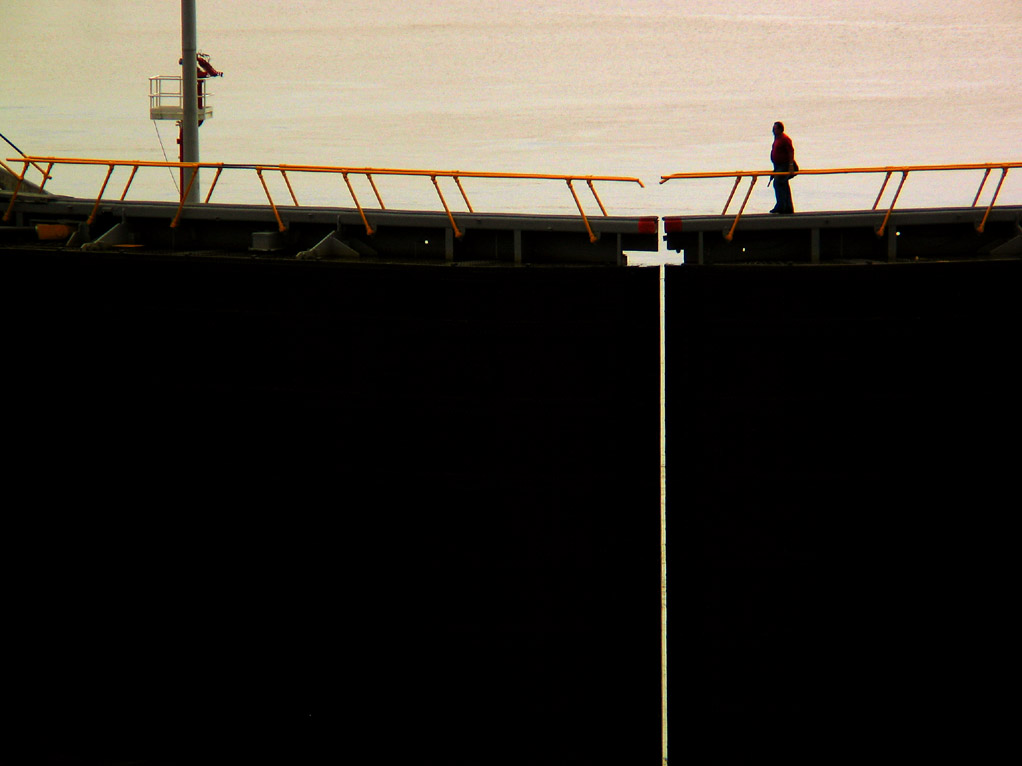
column 663, row 528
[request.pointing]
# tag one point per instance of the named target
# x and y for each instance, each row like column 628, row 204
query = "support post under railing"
column 266, row 189
column 361, row 212
column 184, row 195
column 372, row 183
column 596, row 196
column 883, row 187
column 95, row 208
column 982, row 183
column 887, row 217
column 46, row 175
column 463, row 195
column 730, row 235
column 731, row 196
column 983, row 223
column 457, row 233
column 131, row 177
column 585, row 220
column 287, row 183
column 216, row 177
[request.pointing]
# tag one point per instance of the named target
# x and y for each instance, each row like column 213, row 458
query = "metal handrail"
column 755, row 175
column 344, row 172
column 45, row 173
column 168, row 102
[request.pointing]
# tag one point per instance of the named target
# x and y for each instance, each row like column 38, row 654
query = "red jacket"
column 783, row 151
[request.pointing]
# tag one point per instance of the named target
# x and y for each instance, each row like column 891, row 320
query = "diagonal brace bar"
column 457, row 233
column 887, row 217
column 361, row 212
column 585, row 220
column 730, row 235
column 982, row 224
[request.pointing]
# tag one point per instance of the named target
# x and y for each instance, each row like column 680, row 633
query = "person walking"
column 782, row 155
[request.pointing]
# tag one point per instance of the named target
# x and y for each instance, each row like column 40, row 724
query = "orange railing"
column 21, row 176
column 888, row 172
column 344, row 172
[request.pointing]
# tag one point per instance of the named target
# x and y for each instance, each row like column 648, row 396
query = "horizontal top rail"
column 837, row 171
column 344, row 172
column 888, row 171
column 323, row 169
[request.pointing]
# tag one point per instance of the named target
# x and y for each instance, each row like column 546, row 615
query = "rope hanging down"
column 165, row 158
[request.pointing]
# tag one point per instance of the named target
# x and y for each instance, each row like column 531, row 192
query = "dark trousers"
column 782, row 191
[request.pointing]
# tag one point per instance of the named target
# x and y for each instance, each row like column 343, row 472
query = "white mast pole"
column 189, row 96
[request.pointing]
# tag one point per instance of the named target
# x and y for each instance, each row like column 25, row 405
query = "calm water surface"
column 638, row 88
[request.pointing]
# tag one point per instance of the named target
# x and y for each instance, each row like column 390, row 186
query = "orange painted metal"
column 344, row 172
column 738, row 175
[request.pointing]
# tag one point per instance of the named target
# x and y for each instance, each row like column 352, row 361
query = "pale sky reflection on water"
column 596, row 87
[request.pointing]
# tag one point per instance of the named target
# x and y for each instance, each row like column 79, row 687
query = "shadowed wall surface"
column 840, row 475
column 274, row 511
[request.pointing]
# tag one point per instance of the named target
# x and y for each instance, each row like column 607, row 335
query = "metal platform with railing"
column 587, row 237
column 877, row 233
column 166, row 98
column 882, row 232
